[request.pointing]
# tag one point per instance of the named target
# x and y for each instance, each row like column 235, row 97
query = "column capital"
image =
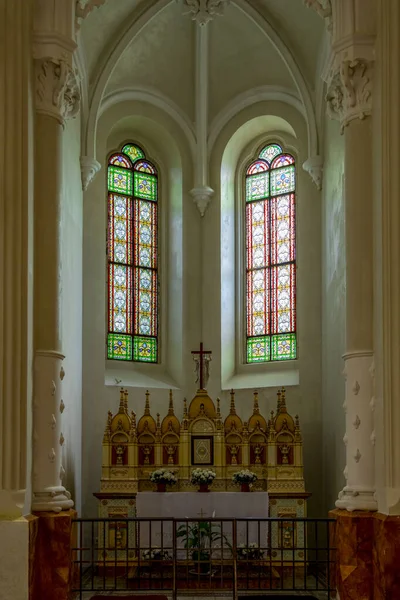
column 349, row 94
column 89, row 169
column 314, row 166
column 202, row 197
column 57, row 89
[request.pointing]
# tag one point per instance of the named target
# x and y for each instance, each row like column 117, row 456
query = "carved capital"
column 57, row 89
column 83, row 8
column 89, row 169
column 349, row 93
column 314, row 167
column 203, row 11
column 324, row 9
column 202, row 197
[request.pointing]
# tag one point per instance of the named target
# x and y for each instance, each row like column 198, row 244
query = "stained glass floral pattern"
column 133, row 151
column 132, row 257
column 282, row 180
column 271, row 257
column 119, row 180
column 257, row 186
column 145, row 186
column 269, row 152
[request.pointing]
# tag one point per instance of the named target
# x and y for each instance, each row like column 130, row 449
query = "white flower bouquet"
column 244, row 476
column 163, row 476
column 155, row 554
column 202, row 476
column 250, row 552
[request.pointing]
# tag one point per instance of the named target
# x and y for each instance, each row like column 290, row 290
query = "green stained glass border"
column 145, row 349
column 119, row 346
column 145, row 186
column 268, row 348
column 258, row 349
column 284, row 346
column 120, row 180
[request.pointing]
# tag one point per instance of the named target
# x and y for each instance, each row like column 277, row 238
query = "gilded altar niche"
column 271, row 447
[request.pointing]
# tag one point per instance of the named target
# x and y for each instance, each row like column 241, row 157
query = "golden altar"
column 270, row 447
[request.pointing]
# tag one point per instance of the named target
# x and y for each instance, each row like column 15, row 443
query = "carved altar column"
column 57, row 98
column 349, row 100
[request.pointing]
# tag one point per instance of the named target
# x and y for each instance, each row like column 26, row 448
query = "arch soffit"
column 253, row 96
column 252, row 117
column 109, row 60
column 160, row 101
column 109, row 125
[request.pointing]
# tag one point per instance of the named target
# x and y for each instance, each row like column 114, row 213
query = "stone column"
column 16, row 205
column 387, row 253
column 349, row 99
column 57, row 98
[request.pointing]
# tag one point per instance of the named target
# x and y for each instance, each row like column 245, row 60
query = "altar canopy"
column 195, row 505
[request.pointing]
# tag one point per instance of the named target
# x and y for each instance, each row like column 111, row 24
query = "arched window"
column 132, row 257
column 271, row 257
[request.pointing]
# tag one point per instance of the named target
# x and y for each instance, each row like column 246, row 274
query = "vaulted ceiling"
column 161, row 56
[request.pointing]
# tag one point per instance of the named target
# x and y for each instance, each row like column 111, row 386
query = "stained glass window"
column 271, row 257
column 132, row 244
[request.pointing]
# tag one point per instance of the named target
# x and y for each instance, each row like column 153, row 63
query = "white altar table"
column 195, row 505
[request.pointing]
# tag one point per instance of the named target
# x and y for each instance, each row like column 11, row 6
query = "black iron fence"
column 185, row 556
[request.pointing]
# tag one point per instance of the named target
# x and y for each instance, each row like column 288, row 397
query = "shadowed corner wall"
column 71, row 273
column 333, row 314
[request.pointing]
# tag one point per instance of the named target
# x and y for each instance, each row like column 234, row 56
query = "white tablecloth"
column 196, row 505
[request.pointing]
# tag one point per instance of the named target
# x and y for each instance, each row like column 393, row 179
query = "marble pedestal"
column 367, row 555
column 52, row 571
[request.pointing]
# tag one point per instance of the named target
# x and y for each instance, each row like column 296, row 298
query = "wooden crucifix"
column 203, row 355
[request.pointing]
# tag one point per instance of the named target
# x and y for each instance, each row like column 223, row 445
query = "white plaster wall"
column 333, row 314
column 71, row 273
column 14, row 559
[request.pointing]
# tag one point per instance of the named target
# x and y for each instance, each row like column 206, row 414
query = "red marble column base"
column 386, row 557
column 52, row 570
column 367, row 555
column 354, row 542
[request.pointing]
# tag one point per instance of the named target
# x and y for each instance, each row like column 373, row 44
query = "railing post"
column 234, row 546
column 174, row 583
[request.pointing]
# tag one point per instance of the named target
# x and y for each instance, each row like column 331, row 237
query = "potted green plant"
column 203, row 478
column 244, row 478
column 163, row 477
column 199, row 537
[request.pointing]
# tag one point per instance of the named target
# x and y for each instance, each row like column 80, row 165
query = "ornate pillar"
column 349, row 100
column 57, row 99
column 16, row 255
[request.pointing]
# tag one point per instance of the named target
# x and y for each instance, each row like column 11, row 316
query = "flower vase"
column 203, row 487
column 161, row 487
column 245, row 487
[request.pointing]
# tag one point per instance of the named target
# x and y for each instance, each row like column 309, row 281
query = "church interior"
column 199, row 282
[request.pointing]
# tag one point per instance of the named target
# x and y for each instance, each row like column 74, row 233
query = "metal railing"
column 185, row 556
